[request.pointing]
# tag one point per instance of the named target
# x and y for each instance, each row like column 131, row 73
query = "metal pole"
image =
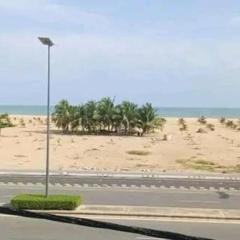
column 48, row 123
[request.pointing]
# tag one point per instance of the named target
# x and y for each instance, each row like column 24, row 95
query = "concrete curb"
column 156, row 212
column 128, row 175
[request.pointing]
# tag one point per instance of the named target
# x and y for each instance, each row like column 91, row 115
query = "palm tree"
column 89, row 117
column 74, row 117
column 105, row 110
column 146, row 115
column 95, row 116
column 117, row 118
column 62, row 115
column 130, row 115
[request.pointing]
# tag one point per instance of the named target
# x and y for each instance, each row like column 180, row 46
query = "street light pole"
column 49, row 43
column 48, row 123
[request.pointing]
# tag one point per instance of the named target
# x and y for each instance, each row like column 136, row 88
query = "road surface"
column 19, row 228
column 111, row 181
column 136, row 197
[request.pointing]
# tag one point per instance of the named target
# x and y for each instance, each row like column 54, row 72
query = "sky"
column 171, row 53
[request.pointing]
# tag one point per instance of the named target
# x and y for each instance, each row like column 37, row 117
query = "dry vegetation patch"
column 138, row 152
column 205, row 165
column 198, row 164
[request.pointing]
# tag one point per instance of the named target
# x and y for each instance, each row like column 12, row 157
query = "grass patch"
column 138, row 152
column 20, row 156
column 198, row 164
column 234, row 169
column 204, row 162
column 204, row 165
column 40, row 202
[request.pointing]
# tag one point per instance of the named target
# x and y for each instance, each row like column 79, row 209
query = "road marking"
column 77, row 185
column 162, row 187
column 11, row 184
column 57, row 185
column 182, row 188
column 39, row 184
column 130, row 188
column 29, row 184
column 198, row 201
column 67, row 185
column 6, row 215
column 146, row 238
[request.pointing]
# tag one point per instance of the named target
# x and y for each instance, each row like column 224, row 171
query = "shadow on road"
column 223, row 195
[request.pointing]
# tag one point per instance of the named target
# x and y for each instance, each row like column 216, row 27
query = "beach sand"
column 23, row 148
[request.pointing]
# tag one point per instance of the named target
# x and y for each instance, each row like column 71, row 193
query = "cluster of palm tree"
column 104, row 117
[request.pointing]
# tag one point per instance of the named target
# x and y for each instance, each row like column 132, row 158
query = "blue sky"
column 171, row 53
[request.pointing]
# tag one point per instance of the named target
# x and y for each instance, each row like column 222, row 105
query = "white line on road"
column 198, row 201
column 123, row 175
column 146, row 238
column 6, row 215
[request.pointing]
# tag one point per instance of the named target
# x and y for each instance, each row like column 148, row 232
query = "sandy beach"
column 23, row 148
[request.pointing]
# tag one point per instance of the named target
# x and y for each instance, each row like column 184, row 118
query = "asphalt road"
column 127, row 182
column 136, row 197
column 19, row 228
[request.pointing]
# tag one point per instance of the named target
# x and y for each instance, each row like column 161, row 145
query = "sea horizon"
column 213, row 112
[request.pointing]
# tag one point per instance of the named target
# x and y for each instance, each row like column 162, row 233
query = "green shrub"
column 210, row 126
column 222, row 120
column 202, row 120
column 181, row 121
column 40, row 202
column 5, row 121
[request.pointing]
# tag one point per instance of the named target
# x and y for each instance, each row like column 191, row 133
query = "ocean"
column 162, row 111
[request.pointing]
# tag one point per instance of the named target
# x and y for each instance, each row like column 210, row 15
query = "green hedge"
column 40, row 202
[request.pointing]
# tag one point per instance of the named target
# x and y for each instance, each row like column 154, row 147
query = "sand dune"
column 23, row 148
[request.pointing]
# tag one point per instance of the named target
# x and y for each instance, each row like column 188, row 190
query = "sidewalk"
column 157, row 212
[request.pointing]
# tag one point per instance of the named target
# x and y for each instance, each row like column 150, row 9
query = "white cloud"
column 43, row 11
column 107, row 61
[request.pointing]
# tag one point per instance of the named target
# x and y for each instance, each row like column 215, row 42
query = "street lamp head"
column 46, row 41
